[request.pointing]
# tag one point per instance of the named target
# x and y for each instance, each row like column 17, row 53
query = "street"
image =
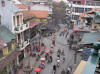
column 61, row 43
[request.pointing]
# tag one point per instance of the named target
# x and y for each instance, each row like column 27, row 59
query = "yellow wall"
column 43, row 19
column 93, row 26
column 12, row 45
column 5, row 51
column 37, row 20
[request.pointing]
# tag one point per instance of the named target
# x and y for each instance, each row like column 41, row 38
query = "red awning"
column 33, row 23
column 7, row 60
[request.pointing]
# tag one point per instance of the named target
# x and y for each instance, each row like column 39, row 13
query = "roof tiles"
column 35, row 13
column 22, row 6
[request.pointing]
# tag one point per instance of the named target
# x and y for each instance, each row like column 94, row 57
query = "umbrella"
column 42, row 59
column 37, row 69
column 47, row 51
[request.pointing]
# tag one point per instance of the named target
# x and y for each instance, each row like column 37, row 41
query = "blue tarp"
column 86, row 54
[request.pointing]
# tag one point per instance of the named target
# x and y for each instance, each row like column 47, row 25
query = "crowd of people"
column 60, row 54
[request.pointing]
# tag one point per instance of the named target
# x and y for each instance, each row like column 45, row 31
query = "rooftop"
column 6, row 35
column 35, row 13
column 22, row 6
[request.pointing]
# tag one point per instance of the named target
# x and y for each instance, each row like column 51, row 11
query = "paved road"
column 61, row 42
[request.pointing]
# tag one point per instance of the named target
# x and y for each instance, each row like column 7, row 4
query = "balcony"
column 21, row 46
column 19, row 29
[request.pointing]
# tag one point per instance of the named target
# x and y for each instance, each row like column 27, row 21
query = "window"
column 18, row 20
column 14, row 20
column 0, row 19
column 3, row 3
column 79, row 10
column 88, row 9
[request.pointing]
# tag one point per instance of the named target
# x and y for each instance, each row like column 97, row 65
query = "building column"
column 20, row 19
column 21, row 38
column 17, row 60
column 25, row 53
column 15, row 20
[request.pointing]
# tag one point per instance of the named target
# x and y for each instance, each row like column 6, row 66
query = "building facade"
column 11, row 16
column 80, row 6
column 8, row 52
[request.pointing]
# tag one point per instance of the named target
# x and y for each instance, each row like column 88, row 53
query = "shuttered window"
column 0, row 19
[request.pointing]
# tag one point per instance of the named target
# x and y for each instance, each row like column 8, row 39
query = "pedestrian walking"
column 59, row 52
column 63, row 58
column 46, row 56
column 62, row 52
column 53, row 41
column 54, row 68
column 37, row 72
column 72, row 36
column 58, row 55
column 63, row 33
column 42, row 65
column 66, row 35
column 60, row 34
column 51, row 59
column 63, row 72
column 69, row 70
column 58, row 63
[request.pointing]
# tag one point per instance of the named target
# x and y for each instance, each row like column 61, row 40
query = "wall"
column 40, row 7
column 6, row 13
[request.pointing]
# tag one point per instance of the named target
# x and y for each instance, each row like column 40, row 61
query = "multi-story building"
column 20, row 20
column 34, row 1
column 8, row 52
column 91, row 19
column 11, row 16
column 38, row 20
column 80, row 6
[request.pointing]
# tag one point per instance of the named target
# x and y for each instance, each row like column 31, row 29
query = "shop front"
column 7, row 64
column 21, row 56
column 27, row 50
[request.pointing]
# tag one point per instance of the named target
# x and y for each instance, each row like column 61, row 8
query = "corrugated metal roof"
column 6, row 35
column 89, row 38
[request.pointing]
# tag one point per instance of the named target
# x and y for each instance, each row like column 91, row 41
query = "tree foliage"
column 58, row 11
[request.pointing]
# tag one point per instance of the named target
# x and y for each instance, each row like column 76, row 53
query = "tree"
column 58, row 11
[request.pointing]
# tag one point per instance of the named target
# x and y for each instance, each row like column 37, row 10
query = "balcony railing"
column 22, row 46
column 19, row 29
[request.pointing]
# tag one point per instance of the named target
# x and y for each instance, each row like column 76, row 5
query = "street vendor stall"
column 79, row 32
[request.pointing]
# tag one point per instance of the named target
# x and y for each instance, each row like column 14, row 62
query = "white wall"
column 39, row 7
column 6, row 13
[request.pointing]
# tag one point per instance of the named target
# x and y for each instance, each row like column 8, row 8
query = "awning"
column 97, row 13
column 6, row 35
column 7, row 60
column 33, row 24
column 76, row 29
column 89, row 38
column 86, row 54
